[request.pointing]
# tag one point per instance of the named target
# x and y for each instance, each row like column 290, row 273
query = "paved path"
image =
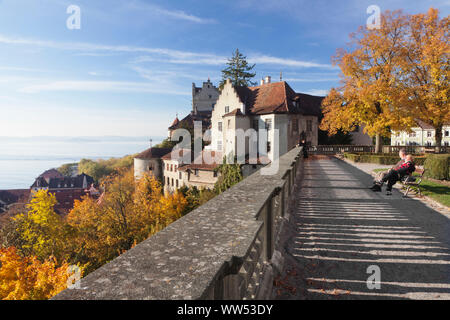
column 339, row 228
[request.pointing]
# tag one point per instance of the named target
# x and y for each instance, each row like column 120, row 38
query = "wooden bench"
column 413, row 184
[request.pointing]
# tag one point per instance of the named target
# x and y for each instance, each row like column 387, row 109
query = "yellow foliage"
column 41, row 230
column 129, row 213
column 392, row 75
column 28, row 278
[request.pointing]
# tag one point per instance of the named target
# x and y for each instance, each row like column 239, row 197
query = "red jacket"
column 406, row 169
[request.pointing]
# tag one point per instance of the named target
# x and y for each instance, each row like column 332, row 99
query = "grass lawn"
column 435, row 190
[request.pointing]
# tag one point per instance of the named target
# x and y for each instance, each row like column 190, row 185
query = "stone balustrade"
column 221, row 250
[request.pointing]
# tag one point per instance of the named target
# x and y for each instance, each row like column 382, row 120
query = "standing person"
column 378, row 182
column 305, row 148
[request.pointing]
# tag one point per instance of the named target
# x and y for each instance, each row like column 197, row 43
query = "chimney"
column 262, row 82
column 267, row 79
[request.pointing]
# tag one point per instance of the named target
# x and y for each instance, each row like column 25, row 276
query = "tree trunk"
column 378, row 143
column 438, row 138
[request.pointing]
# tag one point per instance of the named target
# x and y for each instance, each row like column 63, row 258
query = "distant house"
column 65, row 189
column 421, row 135
column 45, row 182
column 149, row 161
column 9, row 198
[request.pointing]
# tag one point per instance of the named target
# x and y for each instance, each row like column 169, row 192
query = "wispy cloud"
column 317, row 92
column 264, row 59
column 174, row 14
column 99, row 86
column 162, row 54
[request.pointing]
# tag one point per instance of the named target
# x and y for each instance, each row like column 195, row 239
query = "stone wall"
column 221, row 250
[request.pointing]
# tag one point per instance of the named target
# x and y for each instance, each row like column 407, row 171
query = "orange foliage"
column 28, row 278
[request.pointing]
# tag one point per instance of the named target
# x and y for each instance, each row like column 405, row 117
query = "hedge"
column 437, row 166
column 388, row 159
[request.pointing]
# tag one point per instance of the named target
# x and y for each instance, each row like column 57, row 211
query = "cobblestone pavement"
column 339, row 228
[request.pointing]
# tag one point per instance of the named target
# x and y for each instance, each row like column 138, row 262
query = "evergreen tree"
column 238, row 70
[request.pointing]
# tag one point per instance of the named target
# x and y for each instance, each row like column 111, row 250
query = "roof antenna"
column 151, row 143
column 281, row 76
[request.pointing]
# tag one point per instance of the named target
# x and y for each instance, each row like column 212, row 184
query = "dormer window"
column 227, row 109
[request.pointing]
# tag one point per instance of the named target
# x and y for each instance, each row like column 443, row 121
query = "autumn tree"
column 42, row 232
column 427, row 70
column 27, row 278
column 128, row 213
column 238, row 70
column 370, row 77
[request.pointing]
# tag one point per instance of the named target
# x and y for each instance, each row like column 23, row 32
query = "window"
column 447, row 133
column 412, row 134
column 172, row 182
column 209, row 94
column 428, row 134
column 171, row 167
column 196, row 172
column 168, row 181
column 179, row 175
column 219, row 145
column 295, row 125
column 176, row 167
column 215, row 174
column 446, row 143
column 255, row 124
column 428, row 144
column 177, row 183
column 268, row 124
column 268, row 146
column 220, row 126
column 229, row 123
column 167, row 167
column 227, row 109
column 309, row 125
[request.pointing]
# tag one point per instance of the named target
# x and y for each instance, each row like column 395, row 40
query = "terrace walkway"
column 339, row 228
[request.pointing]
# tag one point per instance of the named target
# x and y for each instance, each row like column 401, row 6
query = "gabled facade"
column 273, row 106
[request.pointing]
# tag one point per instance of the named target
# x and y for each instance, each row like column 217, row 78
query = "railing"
column 415, row 149
column 336, row 149
column 221, row 250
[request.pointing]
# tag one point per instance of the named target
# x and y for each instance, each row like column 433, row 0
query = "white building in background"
column 273, row 106
column 422, row 135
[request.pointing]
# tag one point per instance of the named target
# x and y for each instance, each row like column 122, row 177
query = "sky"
column 128, row 70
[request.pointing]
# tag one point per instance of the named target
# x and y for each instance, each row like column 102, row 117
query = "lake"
column 23, row 159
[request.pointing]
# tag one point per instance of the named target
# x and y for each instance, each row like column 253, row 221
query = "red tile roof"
column 278, row 97
column 423, row 125
column 180, row 153
column 235, row 112
column 153, row 153
column 175, row 122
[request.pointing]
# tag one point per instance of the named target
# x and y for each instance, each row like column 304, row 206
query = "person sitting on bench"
column 380, row 176
column 397, row 174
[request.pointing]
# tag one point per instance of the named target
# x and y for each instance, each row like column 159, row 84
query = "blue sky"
column 130, row 67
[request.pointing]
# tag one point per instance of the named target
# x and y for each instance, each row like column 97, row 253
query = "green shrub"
column 387, row 159
column 437, row 166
